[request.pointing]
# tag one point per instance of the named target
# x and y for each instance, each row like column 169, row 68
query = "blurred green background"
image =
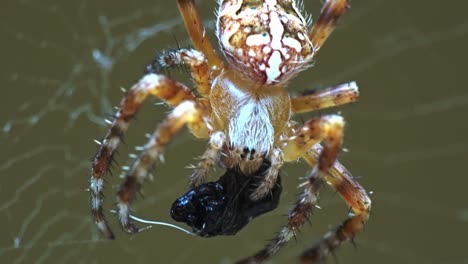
column 62, row 66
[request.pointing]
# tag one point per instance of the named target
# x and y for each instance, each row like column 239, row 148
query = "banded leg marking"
column 354, row 195
column 329, row 131
column 151, row 84
column 331, row 12
column 187, row 112
column 193, row 58
column 197, row 32
column 209, row 159
column 334, row 96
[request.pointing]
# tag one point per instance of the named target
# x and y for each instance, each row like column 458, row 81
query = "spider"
column 244, row 110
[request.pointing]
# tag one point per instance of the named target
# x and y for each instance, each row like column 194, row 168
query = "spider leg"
column 328, row 129
column 270, row 177
column 329, row 97
column 354, row 195
column 188, row 112
column 209, row 159
column 151, row 84
column 331, row 11
column 193, row 58
column 194, row 25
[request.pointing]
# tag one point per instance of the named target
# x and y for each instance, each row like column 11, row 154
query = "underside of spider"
column 244, row 110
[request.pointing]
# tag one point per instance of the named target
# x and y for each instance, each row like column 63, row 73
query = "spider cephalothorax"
column 245, row 112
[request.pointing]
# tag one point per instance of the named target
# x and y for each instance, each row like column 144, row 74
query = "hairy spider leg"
column 197, row 32
column 193, row 58
column 186, row 113
column 209, row 159
column 328, row 130
column 331, row 12
column 329, row 97
column 270, row 177
column 354, row 195
column 160, row 86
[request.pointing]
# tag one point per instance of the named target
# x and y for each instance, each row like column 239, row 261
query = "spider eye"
column 223, row 207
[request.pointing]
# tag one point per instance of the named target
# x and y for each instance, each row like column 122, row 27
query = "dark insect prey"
column 224, row 207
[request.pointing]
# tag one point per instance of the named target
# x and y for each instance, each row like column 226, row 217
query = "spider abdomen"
column 265, row 40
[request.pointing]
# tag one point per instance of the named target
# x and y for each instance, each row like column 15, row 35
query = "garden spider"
column 244, row 110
